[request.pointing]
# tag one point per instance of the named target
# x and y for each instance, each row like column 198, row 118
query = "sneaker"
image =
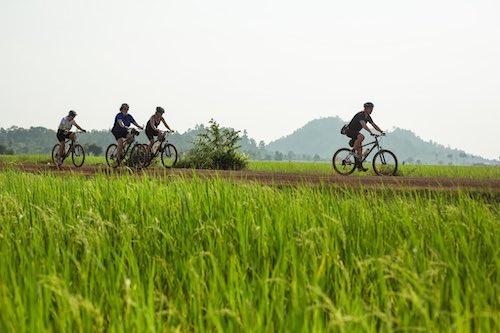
column 359, row 166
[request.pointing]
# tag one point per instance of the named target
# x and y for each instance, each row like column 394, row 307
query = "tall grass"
column 138, row 254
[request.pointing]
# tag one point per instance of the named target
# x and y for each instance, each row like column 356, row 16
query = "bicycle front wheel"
column 111, row 156
column 343, row 161
column 78, row 155
column 138, row 157
column 385, row 163
column 169, row 155
column 55, row 153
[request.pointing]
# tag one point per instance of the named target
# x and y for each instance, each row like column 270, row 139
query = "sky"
column 267, row 66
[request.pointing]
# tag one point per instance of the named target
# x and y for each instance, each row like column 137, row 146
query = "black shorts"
column 119, row 133
column 151, row 133
column 352, row 134
column 62, row 135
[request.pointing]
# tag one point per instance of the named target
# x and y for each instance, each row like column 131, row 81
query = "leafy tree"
column 6, row 150
column 215, row 148
column 94, row 149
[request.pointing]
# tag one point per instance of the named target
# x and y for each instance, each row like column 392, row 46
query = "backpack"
column 344, row 129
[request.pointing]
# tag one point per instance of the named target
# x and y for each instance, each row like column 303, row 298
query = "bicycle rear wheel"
column 78, row 155
column 169, row 155
column 385, row 163
column 343, row 161
column 55, row 153
column 111, row 156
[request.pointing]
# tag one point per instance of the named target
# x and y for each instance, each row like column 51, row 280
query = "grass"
column 139, row 254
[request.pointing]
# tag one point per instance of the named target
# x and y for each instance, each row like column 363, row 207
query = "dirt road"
column 273, row 178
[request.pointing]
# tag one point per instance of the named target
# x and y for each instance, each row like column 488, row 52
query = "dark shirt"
column 355, row 124
column 127, row 120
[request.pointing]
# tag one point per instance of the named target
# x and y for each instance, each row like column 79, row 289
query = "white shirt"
column 66, row 124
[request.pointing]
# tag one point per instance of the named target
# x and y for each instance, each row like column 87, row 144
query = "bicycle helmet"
column 159, row 109
column 368, row 105
column 124, row 106
column 72, row 113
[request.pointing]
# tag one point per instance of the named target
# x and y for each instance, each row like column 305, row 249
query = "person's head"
column 124, row 108
column 368, row 107
column 160, row 110
column 72, row 114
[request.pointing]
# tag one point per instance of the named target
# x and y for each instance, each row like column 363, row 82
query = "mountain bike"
column 73, row 148
column 135, row 158
column 384, row 162
column 161, row 147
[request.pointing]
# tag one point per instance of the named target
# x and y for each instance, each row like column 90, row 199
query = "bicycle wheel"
column 111, row 158
column 385, row 163
column 138, row 156
column 343, row 161
column 55, row 153
column 169, row 155
column 78, row 155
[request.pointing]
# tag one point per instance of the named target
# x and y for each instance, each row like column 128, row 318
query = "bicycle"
column 73, row 147
column 384, row 162
column 166, row 150
column 135, row 159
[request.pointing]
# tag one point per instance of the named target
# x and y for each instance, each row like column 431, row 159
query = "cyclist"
column 63, row 132
column 120, row 128
column 353, row 131
column 152, row 126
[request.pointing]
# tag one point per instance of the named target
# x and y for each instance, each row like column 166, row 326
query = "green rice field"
column 451, row 171
column 142, row 254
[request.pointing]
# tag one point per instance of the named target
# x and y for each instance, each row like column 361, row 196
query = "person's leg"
column 119, row 148
column 357, row 146
column 150, row 146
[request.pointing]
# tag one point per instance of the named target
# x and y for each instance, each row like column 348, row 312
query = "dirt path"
column 274, row 178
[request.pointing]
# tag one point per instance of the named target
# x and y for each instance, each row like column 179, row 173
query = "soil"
column 274, row 178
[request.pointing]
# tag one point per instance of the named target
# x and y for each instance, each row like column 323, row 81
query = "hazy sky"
column 268, row 66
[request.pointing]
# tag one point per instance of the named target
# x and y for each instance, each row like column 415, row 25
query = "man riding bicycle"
column 353, row 131
column 152, row 126
column 63, row 132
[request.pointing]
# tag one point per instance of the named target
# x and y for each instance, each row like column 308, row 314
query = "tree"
column 94, row 149
column 6, row 150
column 215, row 148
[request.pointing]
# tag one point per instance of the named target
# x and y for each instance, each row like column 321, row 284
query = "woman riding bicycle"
column 152, row 126
column 353, row 131
column 120, row 128
column 63, row 132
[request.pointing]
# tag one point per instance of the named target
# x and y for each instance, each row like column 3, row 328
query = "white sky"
column 268, row 66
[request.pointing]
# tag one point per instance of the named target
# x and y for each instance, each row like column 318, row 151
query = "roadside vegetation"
column 142, row 254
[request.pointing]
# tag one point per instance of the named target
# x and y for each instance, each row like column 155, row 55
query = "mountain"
column 321, row 137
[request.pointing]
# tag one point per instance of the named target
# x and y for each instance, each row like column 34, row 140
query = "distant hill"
column 322, row 137
column 315, row 141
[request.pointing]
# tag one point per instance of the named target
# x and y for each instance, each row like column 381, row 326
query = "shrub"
column 215, row 148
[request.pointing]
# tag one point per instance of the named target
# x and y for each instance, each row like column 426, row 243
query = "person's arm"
column 119, row 121
column 377, row 128
column 81, row 129
column 363, row 124
column 165, row 123
column 132, row 120
column 136, row 124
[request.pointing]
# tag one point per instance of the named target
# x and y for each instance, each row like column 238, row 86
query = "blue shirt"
column 127, row 119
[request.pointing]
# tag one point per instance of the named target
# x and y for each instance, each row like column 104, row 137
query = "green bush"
column 215, row 148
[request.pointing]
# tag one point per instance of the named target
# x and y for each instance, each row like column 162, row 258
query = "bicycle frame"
column 375, row 144
column 70, row 144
